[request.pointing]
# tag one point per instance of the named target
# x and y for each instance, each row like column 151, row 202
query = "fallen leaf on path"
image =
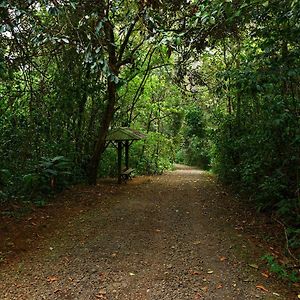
column 101, row 294
column 238, row 228
column 254, row 266
column 220, row 286
column 296, row 284
column 210, row 272
column 262, row 288
column 198, row 296
column 195, row 272
column 197, row 243
column 222, row 258
column 265, row 274
column 51, row 279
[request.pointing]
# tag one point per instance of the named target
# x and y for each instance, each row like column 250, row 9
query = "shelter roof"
column 124, row 134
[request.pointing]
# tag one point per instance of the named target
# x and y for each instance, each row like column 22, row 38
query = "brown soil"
column 176, row 236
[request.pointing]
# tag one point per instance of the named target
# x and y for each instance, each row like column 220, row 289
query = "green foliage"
column 154, row 155
column 280, row 270
column 4, row 179
column 248, row 97
column 49, row 176
column 258, row 147
column 293, row 237
column 4, row 175
column 109, row 163
column 40, row 202
column 196, row 147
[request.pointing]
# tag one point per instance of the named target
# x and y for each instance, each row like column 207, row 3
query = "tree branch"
column 126, row 39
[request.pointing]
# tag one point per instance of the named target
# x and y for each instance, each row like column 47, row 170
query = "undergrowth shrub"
column 260, row 156
column 280, row 270
column 154, row 154
column 50, row 175
column 196, row 148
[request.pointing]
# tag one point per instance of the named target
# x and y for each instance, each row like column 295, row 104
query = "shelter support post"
column 119, row 162
column 127, row 155
column 123, row 137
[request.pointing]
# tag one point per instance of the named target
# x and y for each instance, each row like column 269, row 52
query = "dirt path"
column 176, row 236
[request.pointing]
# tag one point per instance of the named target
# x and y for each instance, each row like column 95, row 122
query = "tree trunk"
column 115, row 62
column 100, row 145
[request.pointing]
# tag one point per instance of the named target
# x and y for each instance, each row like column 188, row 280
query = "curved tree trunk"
column 110, row 106
column 100, row 145
column 115, row 57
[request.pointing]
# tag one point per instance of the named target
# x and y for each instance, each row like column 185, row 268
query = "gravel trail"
column 176, row 236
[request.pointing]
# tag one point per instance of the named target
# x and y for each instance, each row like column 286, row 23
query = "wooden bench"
column 127, row 174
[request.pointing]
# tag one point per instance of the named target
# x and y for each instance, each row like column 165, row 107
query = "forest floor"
column 180, row 236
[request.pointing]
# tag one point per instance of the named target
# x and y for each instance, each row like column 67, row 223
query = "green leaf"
column 51, row 172
column 73, row 4
column 178, row 41
column 212, row 20
column 65, row 40
column 3, row 28
column 53, row 11
column 3, row 4
column 57, row 158
column 266, row 4
column 99, row 27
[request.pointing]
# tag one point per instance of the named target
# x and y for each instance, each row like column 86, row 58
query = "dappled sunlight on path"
column 182, row 169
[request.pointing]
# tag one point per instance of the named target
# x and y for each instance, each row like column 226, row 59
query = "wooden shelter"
column 123, row 137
